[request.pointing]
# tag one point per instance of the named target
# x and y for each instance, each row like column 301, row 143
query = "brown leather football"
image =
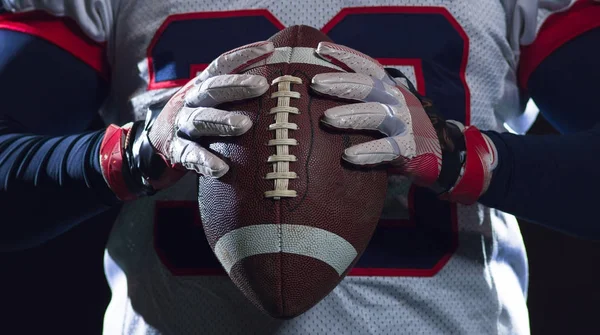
column 290, row 218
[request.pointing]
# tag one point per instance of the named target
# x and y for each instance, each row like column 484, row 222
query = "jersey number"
column 427, row 42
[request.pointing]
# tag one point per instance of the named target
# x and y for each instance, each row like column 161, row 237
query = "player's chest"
column 176, row 39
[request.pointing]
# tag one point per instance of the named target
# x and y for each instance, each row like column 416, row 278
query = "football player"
column 446, row 258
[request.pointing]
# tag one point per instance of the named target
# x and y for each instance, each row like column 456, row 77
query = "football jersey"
column 431, row 267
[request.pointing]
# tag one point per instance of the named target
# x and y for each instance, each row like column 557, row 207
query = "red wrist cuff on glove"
column 477, row 170
column 112, row 159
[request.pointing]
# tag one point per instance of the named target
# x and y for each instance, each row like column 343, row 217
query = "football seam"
column 299, row 73
column 283, row 143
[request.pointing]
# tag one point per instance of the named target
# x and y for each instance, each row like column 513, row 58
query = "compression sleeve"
column 48, row 184
column 548, row 179
column 50, row 178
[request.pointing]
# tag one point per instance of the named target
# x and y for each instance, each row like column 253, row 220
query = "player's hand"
column 453, row 160
column 149, row 155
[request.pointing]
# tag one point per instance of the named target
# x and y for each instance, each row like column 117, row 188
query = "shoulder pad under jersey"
column 95, row 17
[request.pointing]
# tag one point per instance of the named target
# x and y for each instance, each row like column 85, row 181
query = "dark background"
column 59, row 288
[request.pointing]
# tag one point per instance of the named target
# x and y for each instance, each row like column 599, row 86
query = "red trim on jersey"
column 558, row 29
column 153, row 85
column 62, row 32
column 416, row 10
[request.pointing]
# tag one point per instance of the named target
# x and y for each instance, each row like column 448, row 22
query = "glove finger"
column 193, row 157
column 372, row 153
column 356, row 86
column 369, row 116
column 197, row 122
column 236, row 59
column 352, row 60
column 226, row 88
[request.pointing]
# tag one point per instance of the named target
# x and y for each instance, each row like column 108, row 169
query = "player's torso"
column 457, row 51
column 431, row 267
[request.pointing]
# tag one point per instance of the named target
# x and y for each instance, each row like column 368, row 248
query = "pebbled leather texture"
column 331, row 195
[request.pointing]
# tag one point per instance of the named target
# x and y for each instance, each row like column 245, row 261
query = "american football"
column 290, row 218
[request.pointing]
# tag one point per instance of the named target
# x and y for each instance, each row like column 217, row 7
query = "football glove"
column 144, row 156
column 454, row 161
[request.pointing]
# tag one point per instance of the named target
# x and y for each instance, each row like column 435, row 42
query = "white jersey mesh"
column 482, row 288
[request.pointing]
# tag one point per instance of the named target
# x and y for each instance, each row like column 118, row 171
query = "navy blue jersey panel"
column 185, row 43
column 433, row 40
column 418, row 247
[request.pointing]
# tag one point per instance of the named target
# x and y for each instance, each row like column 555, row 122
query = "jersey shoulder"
column 94, row 17
column 526, row 17
column 554, row 27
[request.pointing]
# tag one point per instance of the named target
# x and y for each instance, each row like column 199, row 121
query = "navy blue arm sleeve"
column 553, row 179
column 50, row 177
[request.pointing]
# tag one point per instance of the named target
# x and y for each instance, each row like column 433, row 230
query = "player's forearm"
column 47, row 185
column 548, row 179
